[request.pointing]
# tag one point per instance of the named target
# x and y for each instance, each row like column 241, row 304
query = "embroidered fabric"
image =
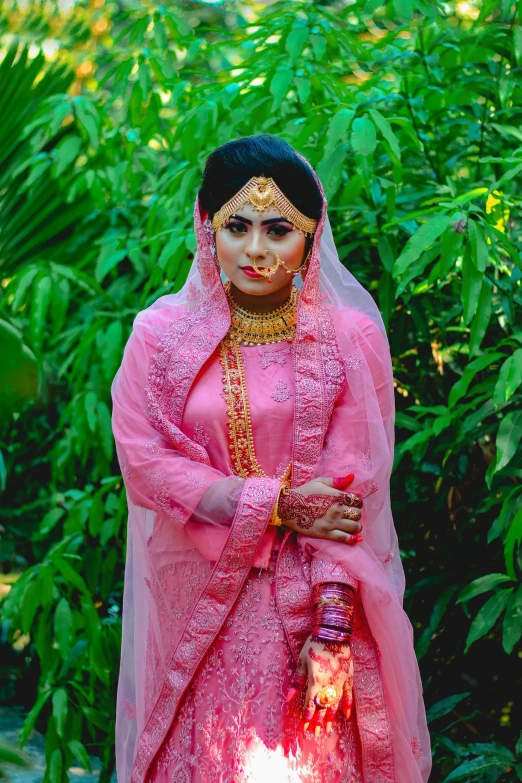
column 195, row 529
column 234, row 724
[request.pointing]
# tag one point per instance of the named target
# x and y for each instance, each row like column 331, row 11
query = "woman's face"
column 249, row 235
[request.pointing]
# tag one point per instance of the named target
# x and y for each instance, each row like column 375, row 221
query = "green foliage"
column 411, row 116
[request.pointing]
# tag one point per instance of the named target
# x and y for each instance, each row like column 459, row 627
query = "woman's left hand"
column 323, row 664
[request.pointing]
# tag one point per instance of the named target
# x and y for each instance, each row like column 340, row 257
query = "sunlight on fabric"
column 262, row 764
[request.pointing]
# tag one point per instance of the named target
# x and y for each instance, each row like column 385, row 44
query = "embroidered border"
column 373, row 719
column 294, row 596
column 209, row 614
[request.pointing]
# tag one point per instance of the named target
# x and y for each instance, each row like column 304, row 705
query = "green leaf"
column 481, row 320
column 482, row 585
column 60, row 709
column 112, row 349
column 512, row 623
column 508, row 438
column 487, row 616
column 30, row 604
column 330, row 171
column 387, row 132
column 67, row 152
column 403, row 9
column 445, row 706
column 499, row 393
column 279, row 85
column 39, row 307
column 517, row 43
column 96, row 515
column 91, row 402
column 477, row 365
column 107, row 260
column 337, row 130
column 63, row 626
column 304, row 85
column 471, row 286
column 69, row 574
column 32, row 717
column 422, row 239
column 296, row 40
column 513, row 374
column 423, row 642
column 56, row 766
column 78, row 750
column 175, row 242
column 479, row 249
column 23, row 283
column 50, row 520
column 513, row 538
column 363, row 138
column 318, row 42
column 105, row 429
column 89, row 120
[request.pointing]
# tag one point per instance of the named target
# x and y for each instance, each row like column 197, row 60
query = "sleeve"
column 329, row 571
column 360, row 435
column 163, row 470
column 359, row 439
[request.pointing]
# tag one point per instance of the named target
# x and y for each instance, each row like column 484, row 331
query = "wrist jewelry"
column 333, row 612
column 275, row 519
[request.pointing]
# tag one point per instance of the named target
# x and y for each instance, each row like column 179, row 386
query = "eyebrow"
column 265, row 222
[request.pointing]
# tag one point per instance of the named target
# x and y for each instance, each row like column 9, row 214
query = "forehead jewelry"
column 263, row 193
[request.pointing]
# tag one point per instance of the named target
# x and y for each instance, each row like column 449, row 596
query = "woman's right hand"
column 320, row 510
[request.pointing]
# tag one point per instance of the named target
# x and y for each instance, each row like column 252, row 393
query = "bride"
column 263, row 631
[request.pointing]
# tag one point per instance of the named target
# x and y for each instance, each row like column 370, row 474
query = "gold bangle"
column 275, row 519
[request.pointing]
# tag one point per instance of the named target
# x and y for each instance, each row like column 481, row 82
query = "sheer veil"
column 193, row 532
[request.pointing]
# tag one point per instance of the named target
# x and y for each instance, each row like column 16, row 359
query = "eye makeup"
column 276, row 229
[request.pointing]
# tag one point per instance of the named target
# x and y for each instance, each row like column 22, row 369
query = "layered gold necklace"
column 261, row 328
column 250, row 329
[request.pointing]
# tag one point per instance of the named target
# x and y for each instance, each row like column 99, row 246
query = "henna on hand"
column 305, row 510
column 332, row 666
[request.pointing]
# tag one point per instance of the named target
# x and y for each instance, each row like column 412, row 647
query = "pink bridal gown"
column 233, row 725
column 217, row 603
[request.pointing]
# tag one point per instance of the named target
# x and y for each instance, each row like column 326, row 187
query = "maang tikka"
column 263, row 193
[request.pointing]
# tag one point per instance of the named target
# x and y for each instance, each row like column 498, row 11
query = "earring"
column 306, row 264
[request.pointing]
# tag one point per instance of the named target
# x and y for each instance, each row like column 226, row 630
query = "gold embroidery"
column 241, row 440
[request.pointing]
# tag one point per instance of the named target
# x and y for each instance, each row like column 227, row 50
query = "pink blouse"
column 270, row 388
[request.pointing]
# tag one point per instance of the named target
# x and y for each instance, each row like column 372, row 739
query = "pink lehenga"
column 217, row 603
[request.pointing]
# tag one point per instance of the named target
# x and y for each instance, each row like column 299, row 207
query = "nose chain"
column 269, row 271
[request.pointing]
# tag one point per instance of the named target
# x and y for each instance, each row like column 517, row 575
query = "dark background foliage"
column 410, row 111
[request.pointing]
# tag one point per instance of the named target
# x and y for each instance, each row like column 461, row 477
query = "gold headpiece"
column 262, row 193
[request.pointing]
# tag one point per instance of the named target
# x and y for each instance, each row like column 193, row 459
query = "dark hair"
column 230, row 167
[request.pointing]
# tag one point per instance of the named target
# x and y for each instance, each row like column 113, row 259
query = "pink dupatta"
column 202, row 528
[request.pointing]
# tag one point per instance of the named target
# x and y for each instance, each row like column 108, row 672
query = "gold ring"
column 351, row 514
column 326, row 697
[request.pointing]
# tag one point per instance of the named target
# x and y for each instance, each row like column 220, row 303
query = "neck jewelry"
column 249, row 328
column 261, row 328
column 263, row 193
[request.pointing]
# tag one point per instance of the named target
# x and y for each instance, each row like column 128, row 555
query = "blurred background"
column 411, row 112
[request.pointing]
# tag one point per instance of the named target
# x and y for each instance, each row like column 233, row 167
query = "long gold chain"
column 241, row 439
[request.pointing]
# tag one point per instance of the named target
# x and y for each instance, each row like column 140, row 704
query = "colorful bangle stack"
column 333, row 610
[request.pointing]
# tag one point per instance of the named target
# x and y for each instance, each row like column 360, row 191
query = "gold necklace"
column 240, row 436
column 262, row 328
column 250, row 329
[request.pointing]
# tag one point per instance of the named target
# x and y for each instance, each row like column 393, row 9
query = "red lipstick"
column 250, row 271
